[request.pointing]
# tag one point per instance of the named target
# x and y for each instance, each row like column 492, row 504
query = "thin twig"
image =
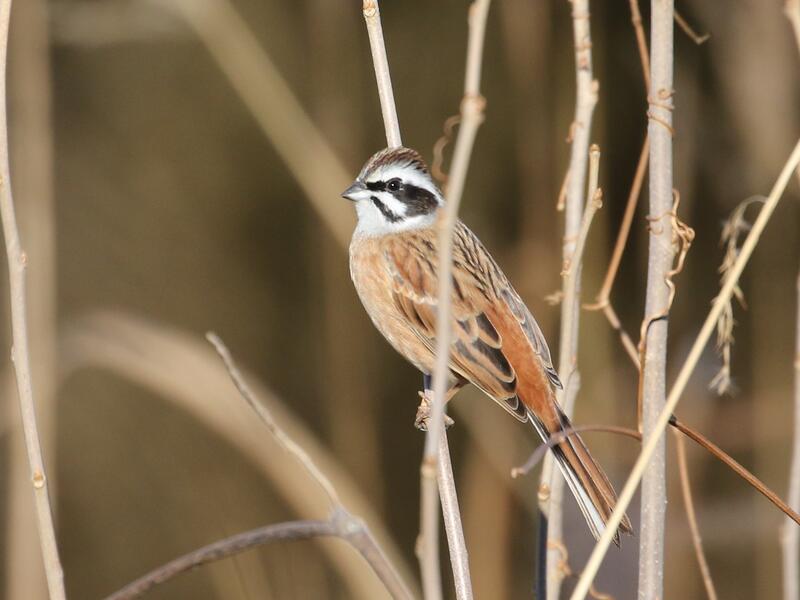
column 689, row 31
column 754, row 481
column 372, row 17
column 472, row 106
column 684, row 374
column 697, row 540
column 348, row 527
column 284, row 440
column 236, row 544
column 184, row 372
column 19, row 353
column 641, row 41
column 657, row 303
column 562, row 435
column 789, row 534
column 585, row 100
column 31, row 134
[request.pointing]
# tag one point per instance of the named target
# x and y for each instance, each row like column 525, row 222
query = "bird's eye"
column 393, row 185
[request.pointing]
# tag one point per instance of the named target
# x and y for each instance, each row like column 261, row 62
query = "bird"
column 497, row 345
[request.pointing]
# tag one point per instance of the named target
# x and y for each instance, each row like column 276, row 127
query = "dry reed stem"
column 641, row 41
column 658, row 299
column 184, row 372
column 471, row 117
column 472, row 106
column 688, row 502
column 790, row 533
column 17, row 262
column 575, row 182
column 372, row 17
column 697, row 38
column 345, row 525
column 341, row 525
column 31, row 150
column 255, row 78
column 685, row 372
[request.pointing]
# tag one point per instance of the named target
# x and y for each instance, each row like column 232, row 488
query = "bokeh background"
column 154, row 208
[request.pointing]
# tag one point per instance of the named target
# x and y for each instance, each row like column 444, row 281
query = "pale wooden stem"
column 586, row 99
column 372, row 17
column 19, row 353
column 432, row 462
column 31, row 150
column 651, row 442
column 661, row 252
column 790, row 532
column 472, row 106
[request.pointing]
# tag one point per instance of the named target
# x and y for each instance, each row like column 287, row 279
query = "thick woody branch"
column 19, row 353
column 684, row 374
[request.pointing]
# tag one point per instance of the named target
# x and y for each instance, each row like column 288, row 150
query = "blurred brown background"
column 154, row 208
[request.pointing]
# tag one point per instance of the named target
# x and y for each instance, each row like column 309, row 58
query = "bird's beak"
column 355, row 191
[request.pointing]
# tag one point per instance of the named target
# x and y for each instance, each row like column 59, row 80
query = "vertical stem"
column 372, row 17
column 790, row 532
column 654, row 492
column 551, row 489
column 32, row 151
column 19, row 354
column 650, row 443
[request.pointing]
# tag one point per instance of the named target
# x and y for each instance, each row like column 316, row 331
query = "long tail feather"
column 585, row 478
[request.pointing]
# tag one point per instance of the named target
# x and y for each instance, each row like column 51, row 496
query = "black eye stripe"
column 385, row 211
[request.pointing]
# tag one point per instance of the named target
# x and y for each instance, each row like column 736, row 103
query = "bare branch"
column 790, row 534
column 284, row 440
column 346, row 526
column 19, row 353
column 654, row 338
column 684, row 374
column 372, row 17
column 293, row 530
column 185, row 372
column 697, row 540
column 551, row 487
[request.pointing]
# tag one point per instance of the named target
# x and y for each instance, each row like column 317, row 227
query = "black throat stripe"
column 390, row 216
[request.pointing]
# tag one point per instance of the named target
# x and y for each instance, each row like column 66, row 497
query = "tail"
column 586, row 479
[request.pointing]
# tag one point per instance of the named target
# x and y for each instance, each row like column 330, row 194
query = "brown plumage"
column 497, row 345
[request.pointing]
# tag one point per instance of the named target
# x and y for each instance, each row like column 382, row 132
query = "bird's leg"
column 426, row 399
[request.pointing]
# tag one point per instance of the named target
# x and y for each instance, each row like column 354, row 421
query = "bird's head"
column 394, row 192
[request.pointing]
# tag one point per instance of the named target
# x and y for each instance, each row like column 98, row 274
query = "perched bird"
column 497, row 345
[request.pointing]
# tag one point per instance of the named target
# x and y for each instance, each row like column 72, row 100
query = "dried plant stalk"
column 790, row 531
column 657, row 303
column 17, row 262
column 684, row 374
column 551, row 488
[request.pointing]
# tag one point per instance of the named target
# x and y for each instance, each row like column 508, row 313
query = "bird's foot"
column 424, row 412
